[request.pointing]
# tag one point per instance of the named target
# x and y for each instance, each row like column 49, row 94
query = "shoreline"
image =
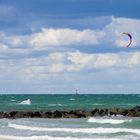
column 133, row 112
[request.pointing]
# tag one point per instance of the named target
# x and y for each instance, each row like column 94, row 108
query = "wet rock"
column 75, row 114
column 136, row 108
column 3, row 115
column 113, row 111
column 57, row 114
column 65, row 114
column 124, row 112
column 134, row 112
column 137, row 114
column 12, row 114
column 36, row 114
column 47, row 114
column 103, row 112
column 95, row 112
column 20, row 114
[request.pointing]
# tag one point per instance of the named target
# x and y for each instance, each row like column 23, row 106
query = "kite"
column 130, row 37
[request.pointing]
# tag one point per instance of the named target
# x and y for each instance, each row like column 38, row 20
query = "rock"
column 20, row 114
column 124, row 113
column 76, row 114
column 47, row 114
column 113, row 111
column 134, row 112
column 36, row 114
column 12, row 114
column 103, row 112
column 3, row 115
column 136, row 108
column 131, row 113
column 95, row 112
column 65, row 114
column 137, row 114
column 57, row 114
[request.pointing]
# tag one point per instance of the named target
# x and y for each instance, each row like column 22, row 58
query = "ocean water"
column 92, row 128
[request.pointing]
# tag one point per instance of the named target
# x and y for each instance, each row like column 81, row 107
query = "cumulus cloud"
column 59, row 68
column 120, row 25
column 69, row 62
column 37, row 64
column 66, row 38
column 59, row 37
column 110, row 35
column 3, row 47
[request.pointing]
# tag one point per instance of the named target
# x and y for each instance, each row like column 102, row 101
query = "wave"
column 26, row 102
column 110, row 121
column 131, row 104
column 98, row 130
column 97, row 104
column 46, row 137
column 72, row 99
column 55, row 104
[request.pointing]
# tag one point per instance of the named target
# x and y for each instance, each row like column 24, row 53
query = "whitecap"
column 46, row 137
column 72, row 99
column 55, row 104
column 97, row 104
column 107, row 120
column 26, row 102
column 118, row 116
column 98, row 130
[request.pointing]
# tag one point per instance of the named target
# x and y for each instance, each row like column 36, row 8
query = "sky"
column 58, row 46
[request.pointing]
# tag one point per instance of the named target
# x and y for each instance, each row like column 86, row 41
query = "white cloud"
column 72, row 68
column 66, row 38
column 45, row 67
column 56, row 68
column 3, row 47
column 59, row 37
column 115, row 29
column 70, row 64
column 134, row 59
column 106, row 60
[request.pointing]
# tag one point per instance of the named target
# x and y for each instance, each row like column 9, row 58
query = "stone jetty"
column 133, row 112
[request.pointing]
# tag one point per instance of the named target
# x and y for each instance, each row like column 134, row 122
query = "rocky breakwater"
column 133, row 112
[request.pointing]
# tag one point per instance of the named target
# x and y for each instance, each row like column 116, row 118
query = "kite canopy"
column 130, row 39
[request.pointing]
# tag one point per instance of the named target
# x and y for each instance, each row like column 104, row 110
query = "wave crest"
column 98, row 130
column 46, row 137
column 110, row 121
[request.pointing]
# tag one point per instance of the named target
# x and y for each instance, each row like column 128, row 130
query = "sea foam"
column 110, row 121
column 98, row 130
column 46, row 137
column 55, row 104
column 26, row 102
column 72, row 99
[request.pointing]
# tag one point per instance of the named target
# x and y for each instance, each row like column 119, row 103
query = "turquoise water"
column 53, row 102
column 92, row 128
column 105, row 128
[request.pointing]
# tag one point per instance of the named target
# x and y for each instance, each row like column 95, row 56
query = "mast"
column 76, row 92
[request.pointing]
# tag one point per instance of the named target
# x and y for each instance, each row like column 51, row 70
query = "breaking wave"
column 46, row 137
column 26, row 102
column 110, row 121
column 55, row 104
column 98, row 130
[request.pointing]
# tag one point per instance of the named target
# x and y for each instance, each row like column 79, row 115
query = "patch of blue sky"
column 29, row 63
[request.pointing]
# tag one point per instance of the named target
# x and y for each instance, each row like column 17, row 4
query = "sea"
column 91, row 128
